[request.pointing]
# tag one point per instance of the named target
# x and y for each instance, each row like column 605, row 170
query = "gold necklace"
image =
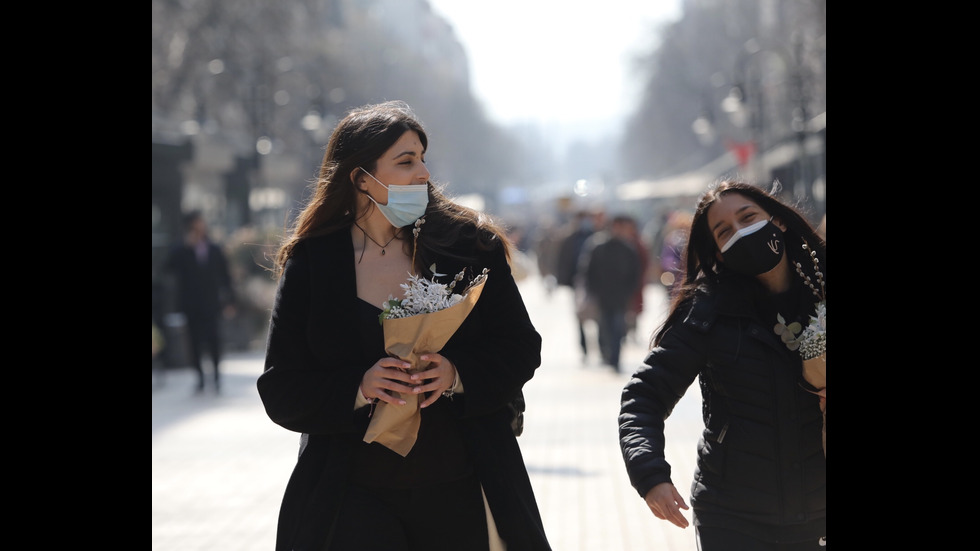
column 375, row 242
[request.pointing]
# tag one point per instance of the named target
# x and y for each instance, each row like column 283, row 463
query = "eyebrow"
column 403, row 153
column 737, row 212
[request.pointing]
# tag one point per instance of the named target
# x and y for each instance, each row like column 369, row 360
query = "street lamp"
column 311, row 122
column 704, row 129
column 745, row 108
column 798, row 122
column 769, row 96
column 734, row 105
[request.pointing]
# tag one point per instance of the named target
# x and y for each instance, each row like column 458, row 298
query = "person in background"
column 373, row 219
column 612, row 272
column 671, row 263
column 521, row 264
column 581, row 226
column 761, row 476
column 545, row 247
column 635, row 308
column 205, row 294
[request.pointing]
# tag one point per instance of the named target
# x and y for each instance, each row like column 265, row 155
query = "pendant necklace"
column 375, row 242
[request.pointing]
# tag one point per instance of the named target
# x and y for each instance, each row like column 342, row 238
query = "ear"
column 356, row 176
column 779, row 223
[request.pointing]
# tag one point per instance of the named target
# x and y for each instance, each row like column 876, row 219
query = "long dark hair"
column 360, row 139
column 701, row 265
column 455, row 231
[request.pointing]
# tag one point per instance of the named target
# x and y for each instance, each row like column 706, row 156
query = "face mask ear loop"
column 373, row 178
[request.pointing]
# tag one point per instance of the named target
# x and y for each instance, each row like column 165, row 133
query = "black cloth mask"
column 754, row 249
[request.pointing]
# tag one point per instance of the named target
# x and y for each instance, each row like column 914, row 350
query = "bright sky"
column 556, row 62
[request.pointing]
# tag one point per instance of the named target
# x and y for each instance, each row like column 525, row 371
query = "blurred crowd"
column 558, row 249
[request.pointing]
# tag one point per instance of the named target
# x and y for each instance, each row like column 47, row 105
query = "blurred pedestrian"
column 635, row 308
column 158, row 343
column 612, row 274
column 753, row 264
column 205, row 295
column 521, row 264
column 157, row 299
column 546, row 245
column 670, row 256
column 581, row 226
column 374, row 218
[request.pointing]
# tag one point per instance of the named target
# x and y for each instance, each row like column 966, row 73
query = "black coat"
column 202, row 289
column 612, row 271
column 760, row 466
column 569, row 251
column 313, row 368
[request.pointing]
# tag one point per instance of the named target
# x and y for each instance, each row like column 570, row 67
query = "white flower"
column 813, row 340
column 423, row 296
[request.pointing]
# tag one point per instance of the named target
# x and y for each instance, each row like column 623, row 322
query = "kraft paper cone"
column 815, row 373
column 395, row 426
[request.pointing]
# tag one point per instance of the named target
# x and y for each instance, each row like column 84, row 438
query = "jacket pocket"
column 712, row 451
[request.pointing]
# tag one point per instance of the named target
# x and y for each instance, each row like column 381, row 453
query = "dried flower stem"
column 822, row 293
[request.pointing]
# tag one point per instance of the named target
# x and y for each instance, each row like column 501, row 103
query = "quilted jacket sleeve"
column 648, row 399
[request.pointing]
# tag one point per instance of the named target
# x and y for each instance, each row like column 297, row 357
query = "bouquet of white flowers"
column 418, row 324
column 812, row 341
column 813, row 347
column 812, row 344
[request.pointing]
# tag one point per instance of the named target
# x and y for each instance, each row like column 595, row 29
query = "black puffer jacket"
column 761, row 467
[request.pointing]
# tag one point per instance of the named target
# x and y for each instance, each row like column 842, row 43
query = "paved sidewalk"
column 220, row 465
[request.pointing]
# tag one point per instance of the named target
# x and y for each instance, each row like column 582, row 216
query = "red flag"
column 743, row 151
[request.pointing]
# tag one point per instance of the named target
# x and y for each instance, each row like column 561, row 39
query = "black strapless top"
column 439, row 454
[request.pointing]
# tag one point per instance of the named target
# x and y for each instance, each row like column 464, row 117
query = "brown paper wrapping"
column 395, row 426
column 815, row 373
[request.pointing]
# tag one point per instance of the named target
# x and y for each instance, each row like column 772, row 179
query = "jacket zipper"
column 721, row 435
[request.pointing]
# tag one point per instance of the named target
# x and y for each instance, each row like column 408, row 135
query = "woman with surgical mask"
column 374, row 219
column 753, row 266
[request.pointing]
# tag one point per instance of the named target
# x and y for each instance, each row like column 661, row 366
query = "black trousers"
column 720, row 539
column 612, row 333
column 204, row 338
column 447, row 517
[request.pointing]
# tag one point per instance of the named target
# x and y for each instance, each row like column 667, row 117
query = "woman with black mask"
column 754, row 276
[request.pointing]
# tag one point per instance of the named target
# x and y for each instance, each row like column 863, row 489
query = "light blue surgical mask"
column 406, row 204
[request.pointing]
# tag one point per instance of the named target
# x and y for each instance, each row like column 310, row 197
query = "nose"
column 424, row 174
